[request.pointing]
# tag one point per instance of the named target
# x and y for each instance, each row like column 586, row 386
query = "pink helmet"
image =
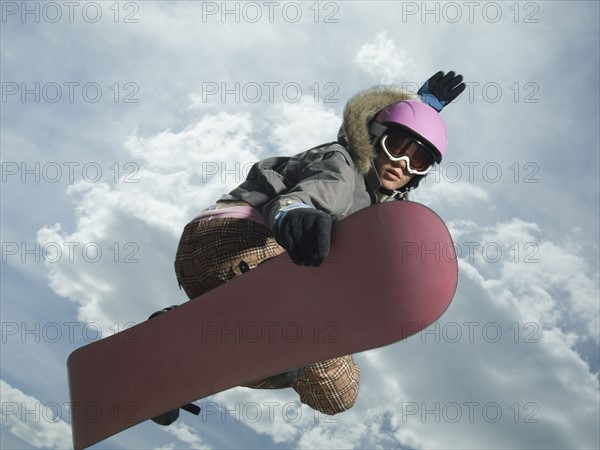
column 419, row 118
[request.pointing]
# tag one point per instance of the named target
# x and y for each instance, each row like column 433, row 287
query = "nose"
column 402, row 164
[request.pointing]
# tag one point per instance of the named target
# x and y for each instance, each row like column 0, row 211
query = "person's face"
column 393, row 174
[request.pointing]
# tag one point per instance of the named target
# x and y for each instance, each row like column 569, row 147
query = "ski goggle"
column 399, row 146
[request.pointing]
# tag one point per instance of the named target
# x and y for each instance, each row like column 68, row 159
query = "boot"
column 286, row 379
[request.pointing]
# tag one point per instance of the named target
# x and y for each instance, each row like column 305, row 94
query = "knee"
column 330, row 387
column 336, row 401
column 339, row 407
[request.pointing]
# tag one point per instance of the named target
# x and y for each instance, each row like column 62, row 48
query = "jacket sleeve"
column 320, row 178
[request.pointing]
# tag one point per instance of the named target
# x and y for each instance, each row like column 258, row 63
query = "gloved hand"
column 441, row 89
column 306, row 235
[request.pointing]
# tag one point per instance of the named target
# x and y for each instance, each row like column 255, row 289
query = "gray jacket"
column 338, row 177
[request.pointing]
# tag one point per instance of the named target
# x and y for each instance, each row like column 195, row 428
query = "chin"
column 391, row 186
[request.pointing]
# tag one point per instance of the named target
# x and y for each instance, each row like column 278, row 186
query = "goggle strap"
column 377, row 129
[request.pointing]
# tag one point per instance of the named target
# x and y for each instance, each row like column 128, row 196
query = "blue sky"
column 121, row 121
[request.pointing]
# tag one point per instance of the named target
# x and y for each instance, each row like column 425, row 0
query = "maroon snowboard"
column 392, row 271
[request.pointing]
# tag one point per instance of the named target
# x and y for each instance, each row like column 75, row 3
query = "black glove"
column 441, row 89
column 306, row 235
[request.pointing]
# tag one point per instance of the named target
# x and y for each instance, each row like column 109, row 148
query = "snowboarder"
column 388, row 142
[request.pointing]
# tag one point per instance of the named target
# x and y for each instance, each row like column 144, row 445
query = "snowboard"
column 391, row 272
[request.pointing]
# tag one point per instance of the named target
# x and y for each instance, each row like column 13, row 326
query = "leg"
column 210, row 252
column 331, row 386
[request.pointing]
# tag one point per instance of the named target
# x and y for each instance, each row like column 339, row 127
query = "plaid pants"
column 209, row 254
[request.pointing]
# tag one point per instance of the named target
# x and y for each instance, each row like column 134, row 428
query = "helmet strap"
column 387, row 192
column 402, row 192
column 398, row 194
column 412, row 184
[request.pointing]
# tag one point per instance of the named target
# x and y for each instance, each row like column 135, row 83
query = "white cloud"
column 303, row 125
column 342, row 437
column 550, row 281
column 441, row 194
column 187, row 435
column 383, row 60
column 40, row 425
column 274, row 413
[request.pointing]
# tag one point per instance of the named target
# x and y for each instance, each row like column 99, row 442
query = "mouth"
column 391, row 175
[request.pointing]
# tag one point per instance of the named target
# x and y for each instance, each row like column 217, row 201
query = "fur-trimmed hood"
column 358, row 112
